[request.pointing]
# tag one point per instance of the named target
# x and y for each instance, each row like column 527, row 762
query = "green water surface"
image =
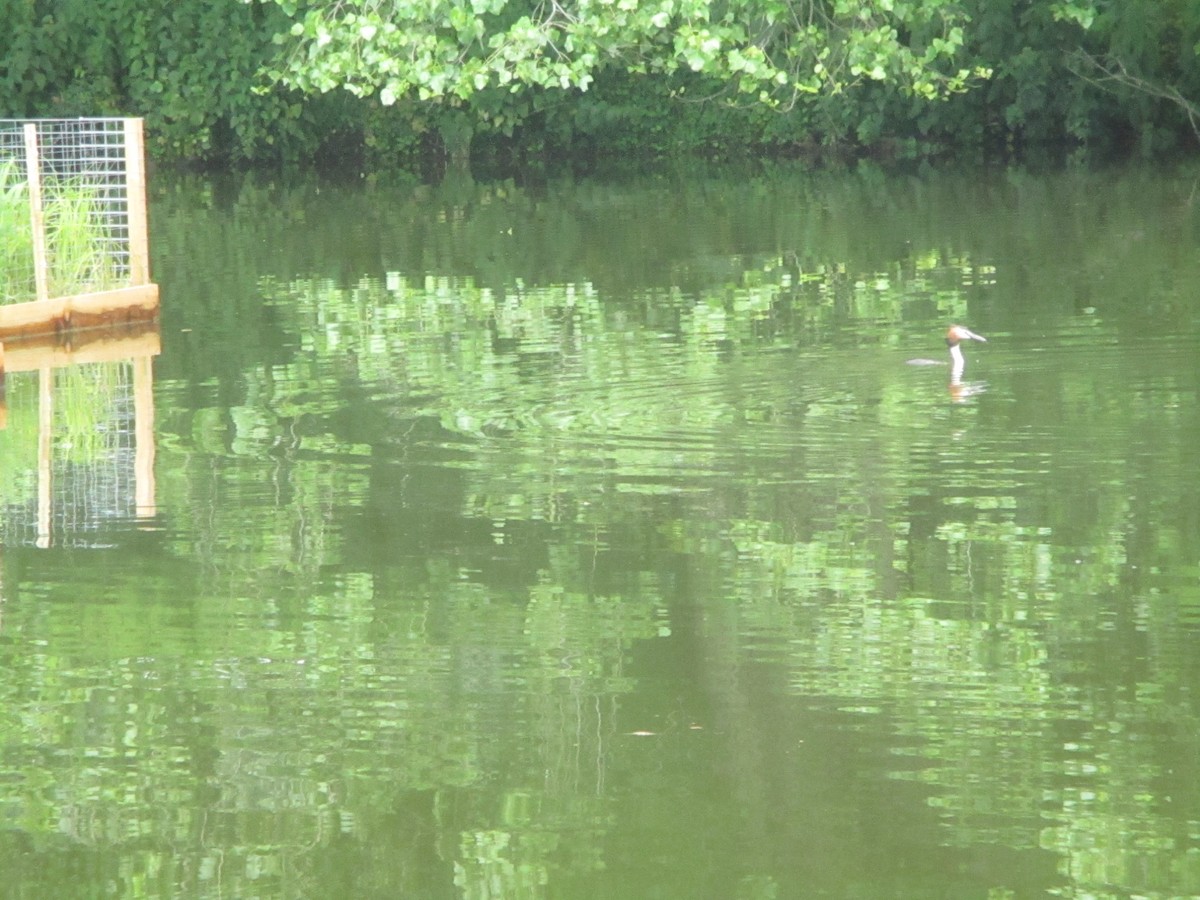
column 591, row 538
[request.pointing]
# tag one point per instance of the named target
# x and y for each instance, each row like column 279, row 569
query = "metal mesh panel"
column 82, row 163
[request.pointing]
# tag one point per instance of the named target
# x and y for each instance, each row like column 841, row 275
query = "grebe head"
column 955, row 335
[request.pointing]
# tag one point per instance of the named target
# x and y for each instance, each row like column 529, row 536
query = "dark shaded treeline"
column 193, row 69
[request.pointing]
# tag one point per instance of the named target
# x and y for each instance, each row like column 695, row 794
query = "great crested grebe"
column 959, row 390
column 955, row 335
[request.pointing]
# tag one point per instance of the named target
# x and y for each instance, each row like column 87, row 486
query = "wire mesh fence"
column 72, row 206
column 76, row 438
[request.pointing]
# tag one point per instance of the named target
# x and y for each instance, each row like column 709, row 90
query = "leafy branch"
column 770, row 52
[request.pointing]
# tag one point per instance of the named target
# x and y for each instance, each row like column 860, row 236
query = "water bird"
column 955, row 335
column 959, row 390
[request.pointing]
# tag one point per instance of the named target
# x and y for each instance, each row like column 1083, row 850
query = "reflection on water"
column 78, row 445
column 584, row 540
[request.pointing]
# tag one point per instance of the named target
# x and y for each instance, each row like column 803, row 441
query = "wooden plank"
column 135, row 194
column 37, row 212
column 91, row 310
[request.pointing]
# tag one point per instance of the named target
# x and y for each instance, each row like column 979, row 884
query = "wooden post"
column 37, row 213
column 135, row 198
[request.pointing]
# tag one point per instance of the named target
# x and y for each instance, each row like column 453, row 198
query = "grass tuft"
column 78, row 254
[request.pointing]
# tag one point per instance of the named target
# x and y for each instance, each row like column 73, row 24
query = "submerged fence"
column 77, row 439
column 79, row 187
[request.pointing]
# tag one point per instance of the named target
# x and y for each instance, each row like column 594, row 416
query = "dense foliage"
column 229, row 80
column 190, row 67
column 492, row 62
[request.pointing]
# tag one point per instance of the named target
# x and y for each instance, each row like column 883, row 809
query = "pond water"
column 590, row 537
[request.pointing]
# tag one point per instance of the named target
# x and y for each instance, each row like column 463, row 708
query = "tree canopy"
column 491, row 58
column 266, row 80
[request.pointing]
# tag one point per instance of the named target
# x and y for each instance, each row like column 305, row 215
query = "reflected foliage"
column 506, row 527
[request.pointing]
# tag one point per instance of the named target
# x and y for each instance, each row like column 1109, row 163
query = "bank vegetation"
column 393, row 82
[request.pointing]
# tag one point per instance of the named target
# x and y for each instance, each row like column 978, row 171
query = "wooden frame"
column 136, row 302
